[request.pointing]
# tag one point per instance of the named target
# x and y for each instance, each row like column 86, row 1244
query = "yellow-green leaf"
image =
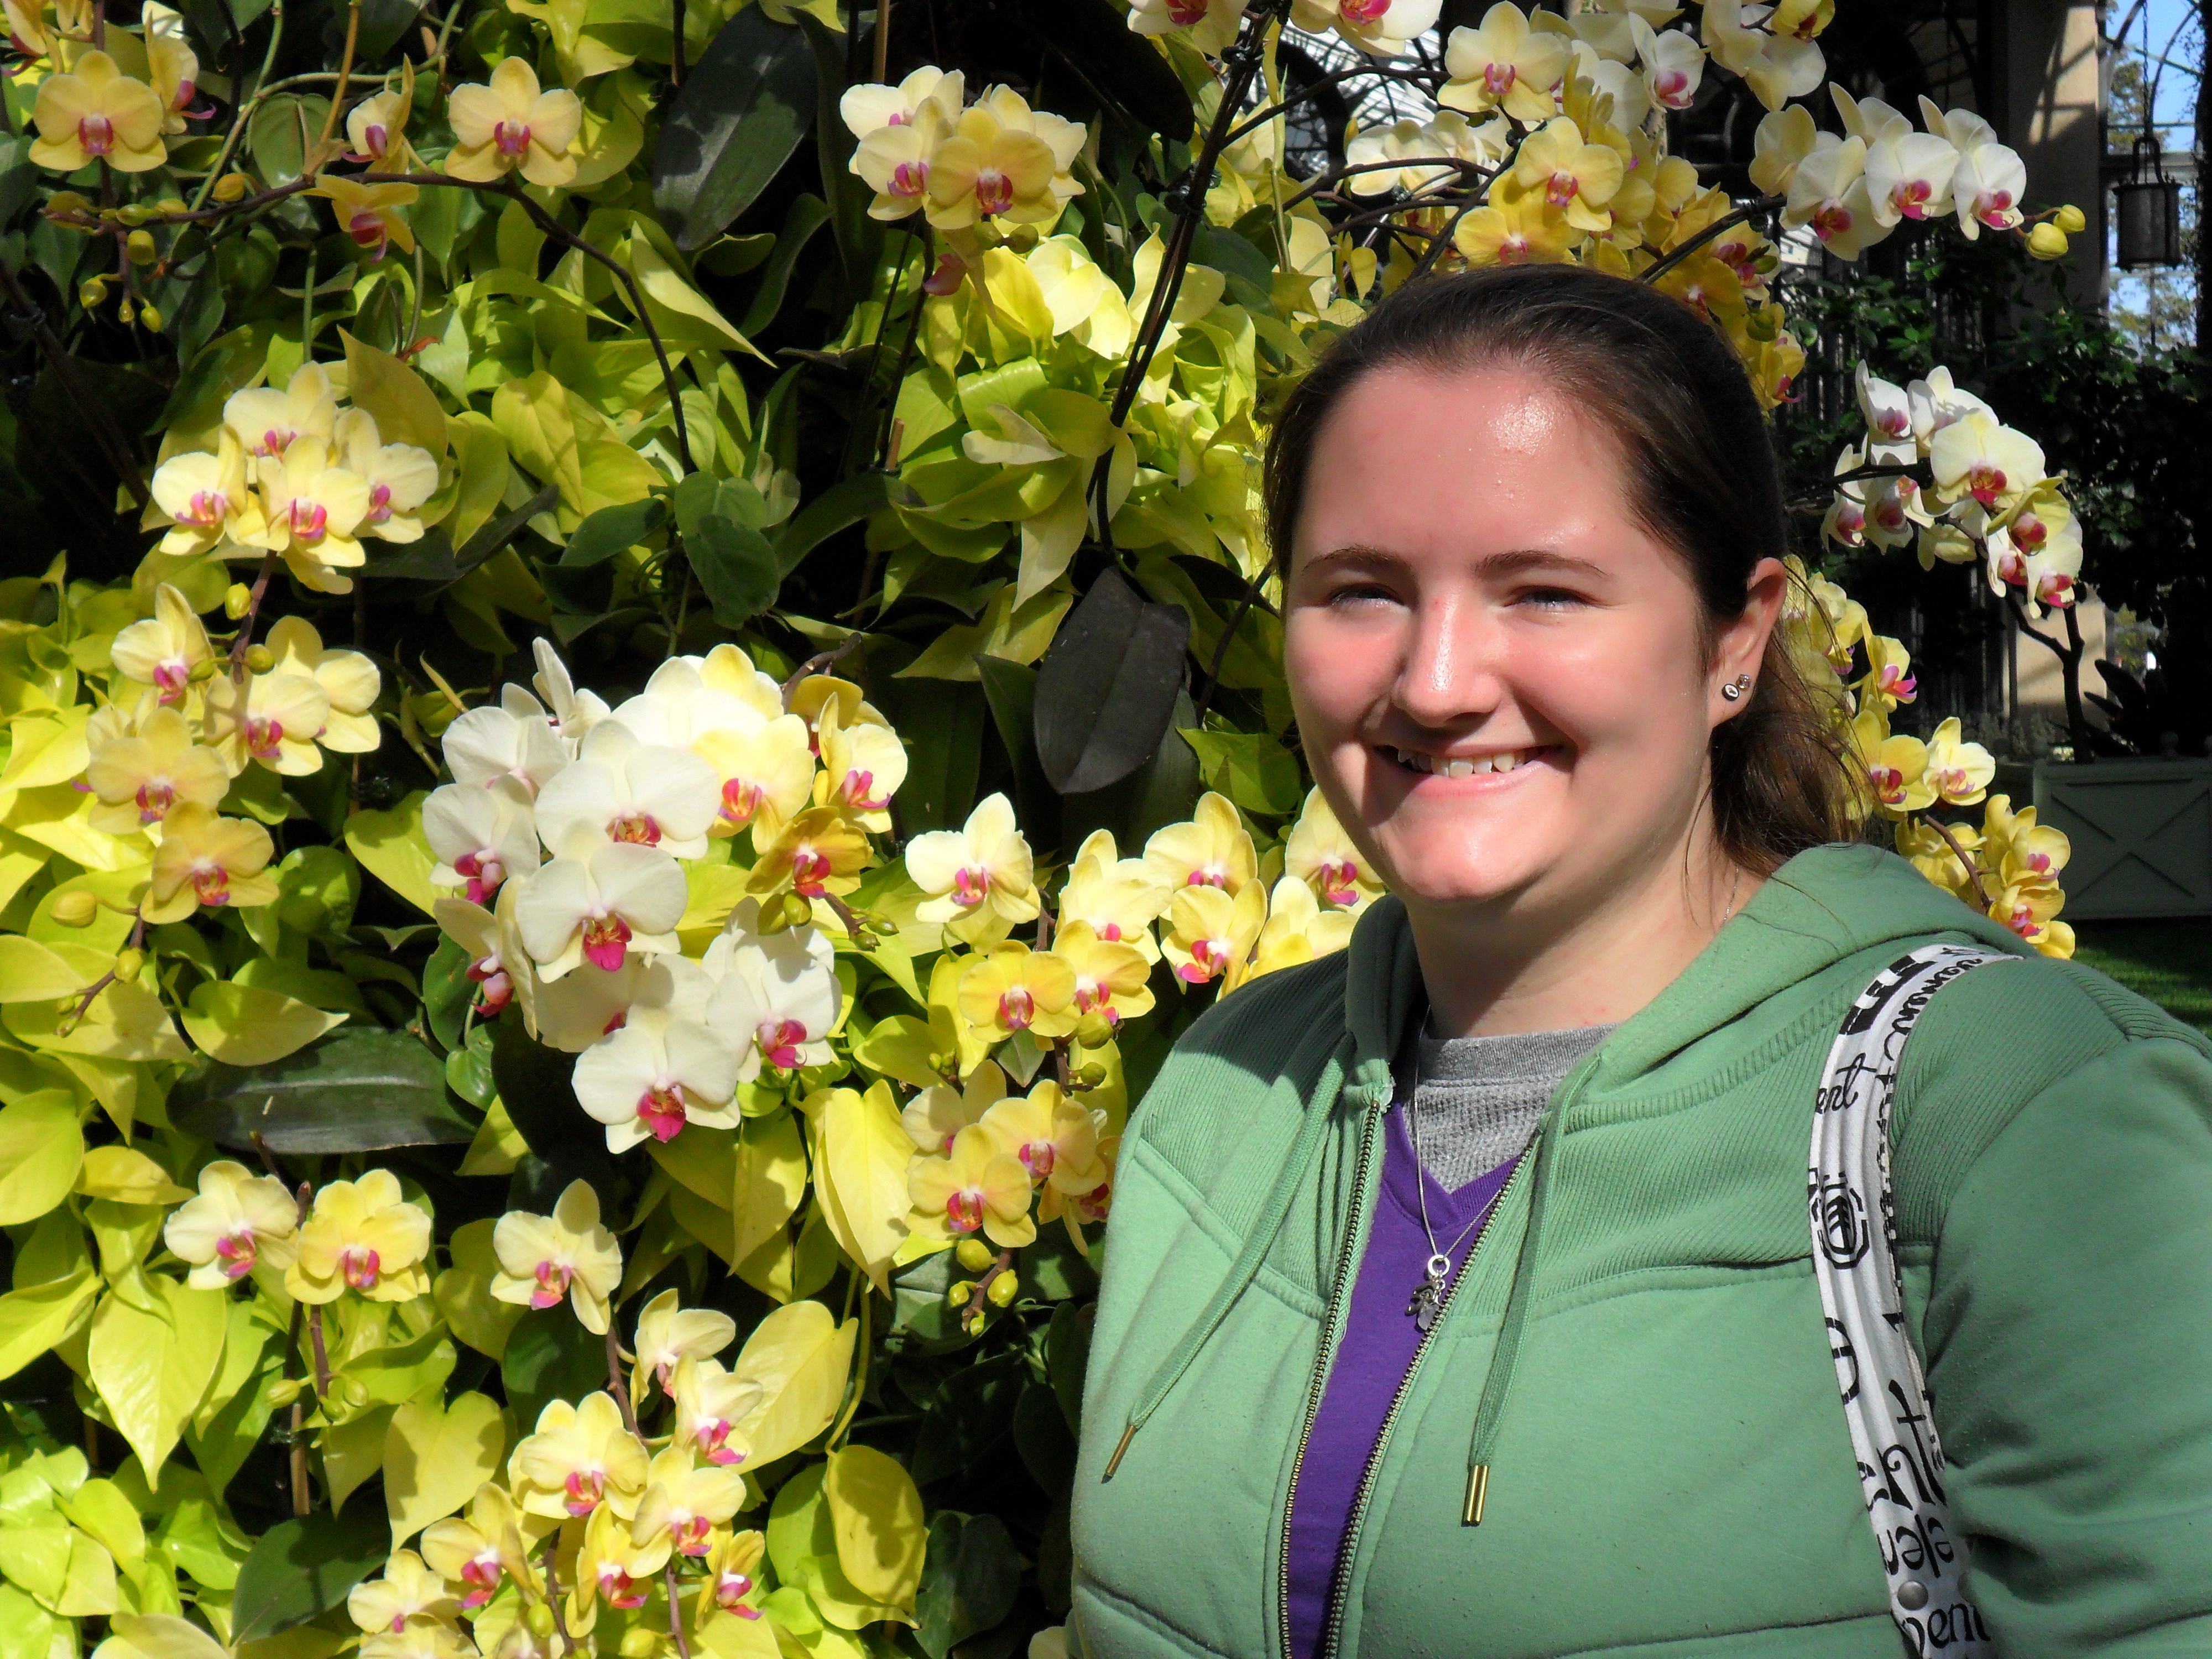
column 40, row 1150
column 463, row 1291
column 800, row 1355
column 391, row 847
column 245, row 1025
column 876, row 1509
column 353, row 1451
column 434, row 1458
column 158, row 1635
column 771, row 1179
column 34, row 1322
column 861, row 1152
column 151, row 1369
column 31, row 973
column 405, row 408
column 128, row 1177
column 481, row 454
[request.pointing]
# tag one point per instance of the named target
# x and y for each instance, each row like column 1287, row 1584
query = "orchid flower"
column 601, row 905
column 543, row 1259
column 239, row 1222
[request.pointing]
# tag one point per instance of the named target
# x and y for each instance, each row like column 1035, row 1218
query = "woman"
column 1539, row 1366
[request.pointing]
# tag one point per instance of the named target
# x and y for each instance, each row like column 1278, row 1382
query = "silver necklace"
column 1428, row 1299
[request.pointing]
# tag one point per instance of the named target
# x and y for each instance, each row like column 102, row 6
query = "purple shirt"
column 1373, row 1353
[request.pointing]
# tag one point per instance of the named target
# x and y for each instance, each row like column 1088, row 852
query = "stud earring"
column 1734, row 691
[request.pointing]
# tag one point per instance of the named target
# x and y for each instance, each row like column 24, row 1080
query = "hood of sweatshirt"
column 1824, row 905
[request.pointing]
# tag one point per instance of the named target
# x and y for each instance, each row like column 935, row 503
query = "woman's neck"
column 1524, row 964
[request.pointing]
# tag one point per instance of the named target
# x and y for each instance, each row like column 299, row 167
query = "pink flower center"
column 855, row 787
column 1994, row 208
column 971, row 888
column 1910, row 198
column 1672, row 88
column 1092, row 1206
column 172, row 677
column 809, row 870
column 482, row 1574
column 1497, row 79
column 1186, row 14
column 484, row 872
column 607, row 941
column 366, row 227
column 1038, row 1157
column 1338, row 881
column 379, row 503
column 732, row 1588
column 498, row 992
column 779, row 1041
column 1111, row 932
column 361, row 1266
column 264, row 736
column 1207, row 875
column 2030, row 533
column 553, row 1279
column 661, row 1111
column 740, row 800
column 207, row 509
column 511, row 137
column 237, row 1252
column 1985, row 482
column 156, row 797
column 711, row 1438
column 963, row 1210
column 1888, row 783
column 1091, row 996
column 637, row 828
column 1561, row 190
column 585, row 1488
column 274, row 442
column 691, row 1535
column 2055, row 590
column 1831, row 219
column 310, row 522
column 1017, row 1008
column 211, row 884
column 909, row 178
column 1899, row 684
column 95, row 134
column 378, row 138
column 995, row 192
column 619, row 1589
column 1363, row 12
column 1206, row 961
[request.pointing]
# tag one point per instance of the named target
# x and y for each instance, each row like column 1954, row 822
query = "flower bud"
column 206, row 668
column 67, row 201
column 797, row 912
column 1089, row 1075
column 962, row 1290
column 639, row 1642
column 1004, row 1288
column 129, row 963
column 232, row 186
column 352, row 1391
column 283, row 1391
column 2072, row 220
column 540, row 1620
column 974, row 1255
column 2046, row 241
column 150, row 320
column 74, row 908
column 93, row 294
column 235, row 600
column 259, row 658
column 139, row 245
column 172, row 205
column 126, row 312
column 132, row 214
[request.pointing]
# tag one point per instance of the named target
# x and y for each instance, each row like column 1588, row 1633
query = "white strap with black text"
column 1855, row 1257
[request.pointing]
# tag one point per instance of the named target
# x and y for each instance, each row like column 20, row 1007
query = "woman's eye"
column 1361, row 593
column 1550, row 598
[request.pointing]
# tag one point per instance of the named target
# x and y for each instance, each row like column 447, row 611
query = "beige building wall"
column 2053, row 75
column 2042, row 688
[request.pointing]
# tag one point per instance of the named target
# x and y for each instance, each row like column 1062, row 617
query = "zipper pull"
column 1478, row 1490
column 1115, row 1461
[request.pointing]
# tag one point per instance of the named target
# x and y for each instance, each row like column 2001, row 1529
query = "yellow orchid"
column 1211, row 936
column 1117, row 898
column 1919, row 841
column 975, row 1188
column 369, row 213
column 409, row 1592
column 1110, row 976
column 979, row 873
column 206, row 859
column 862, row 766
column 349, row 681
column 165, row 649
column 569, row 1253
column 817, row 853
column 1505, row 64
column 2019, row 848
column 927, row 92
column 1297, row 929
column 480, row 1550
column 267, row 421
column 615, row 1567
column 1319, row 853
column 1012, row 988
column 239, row 1222
column 1977, row 456
column 364, row 1236
column 1576, row 176
column 314, row 506
column 936, row 1114
column 578, row 1457
column 1053, row 1138
column 2029, row 908
column 1888, row 680
column 1002, row 158
column 1515, row 228
column 400, row 476
column 274, row 720
column 1960, row 771
column 95, row 112
column 1213, row 849
column 767, row 776
column 894, row 160
column 667, row 1334
column 508, row 123
column 710, row 1402
column 422, row 1638
column 730, row 1581
column 377, row 126
column 170, row 63
column 683, row 1504
column 140, row 777
column 207, row 497
column 1896, row 766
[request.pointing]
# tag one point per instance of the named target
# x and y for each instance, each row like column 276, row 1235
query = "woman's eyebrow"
column 1512, row 562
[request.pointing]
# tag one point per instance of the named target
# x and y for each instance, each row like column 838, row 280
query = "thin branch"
column 617, row 1385
column 818, row 662
column 668, row 1567
column 1427, row 79
column 91, row 993
column 1658, row 268
column 553, row 1580
column 1973, row 873
column 345, row 73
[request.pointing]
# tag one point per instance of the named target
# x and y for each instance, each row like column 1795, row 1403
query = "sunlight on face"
column 1497, row 670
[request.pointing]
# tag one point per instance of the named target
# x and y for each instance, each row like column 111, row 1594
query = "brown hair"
column 1700, row 475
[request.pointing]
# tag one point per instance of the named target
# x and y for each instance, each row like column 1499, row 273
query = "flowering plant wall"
column 600, row 830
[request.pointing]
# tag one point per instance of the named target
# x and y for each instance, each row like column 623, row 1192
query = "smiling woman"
column 1462, row 1295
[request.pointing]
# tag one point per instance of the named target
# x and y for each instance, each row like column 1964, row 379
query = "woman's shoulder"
column 1996, row 1041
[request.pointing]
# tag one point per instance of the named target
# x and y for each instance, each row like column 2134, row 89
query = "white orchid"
column 666, row 1067
column 1978, row 455
column 482, row 835
column 577, row 1010
column 623, row 790
column 1908, row 176
column 1211, row 23
column 1674, row 64
column 601, row 906
column 1383, row 27
column 1887, row 410
column 982, row 868
column 776, row 992
column 478, row 931
column 1447, row 133
column 574, row 712
column 683, row 703
column 512, row 739
column 1828, row 191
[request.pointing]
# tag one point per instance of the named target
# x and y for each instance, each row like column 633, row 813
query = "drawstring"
column 1505, row 1355
column 1246, row 1267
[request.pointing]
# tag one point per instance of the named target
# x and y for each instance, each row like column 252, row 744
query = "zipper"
column 1333, row 1623
column 1328, row 1323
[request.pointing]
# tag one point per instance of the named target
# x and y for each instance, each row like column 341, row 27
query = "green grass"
column 2168, row 962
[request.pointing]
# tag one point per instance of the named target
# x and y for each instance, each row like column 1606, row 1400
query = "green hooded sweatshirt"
column 1637, row 1348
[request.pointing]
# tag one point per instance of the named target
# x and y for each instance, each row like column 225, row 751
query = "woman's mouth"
column 1468, row 766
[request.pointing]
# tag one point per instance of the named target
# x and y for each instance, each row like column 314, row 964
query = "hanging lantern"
column 2149, row 211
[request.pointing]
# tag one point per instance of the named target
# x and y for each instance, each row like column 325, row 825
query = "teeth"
column 1463, row 768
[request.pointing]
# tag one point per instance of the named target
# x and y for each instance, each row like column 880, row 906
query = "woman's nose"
column 1450, row 672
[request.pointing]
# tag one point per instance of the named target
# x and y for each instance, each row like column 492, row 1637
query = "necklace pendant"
column 1428, row 1299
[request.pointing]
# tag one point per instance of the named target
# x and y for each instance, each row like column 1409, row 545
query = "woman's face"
column 1497, row 670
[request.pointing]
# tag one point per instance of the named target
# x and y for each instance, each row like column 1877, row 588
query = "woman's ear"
column 1740, row 648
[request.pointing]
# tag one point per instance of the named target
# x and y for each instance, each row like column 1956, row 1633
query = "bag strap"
column 1885, row 1396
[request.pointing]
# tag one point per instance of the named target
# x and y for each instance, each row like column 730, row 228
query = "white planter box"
column 2141, row 831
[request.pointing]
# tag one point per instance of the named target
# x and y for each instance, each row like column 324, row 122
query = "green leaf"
column 281, row 133
column 300, row 1569
column 534, row 1081
column 40, row 1148
column 435, row 1457
column 875, row 1511
column 242, row 1026
column 807, row 214
column 1107, row 689
column 757, row 76
column 356, row 1090
column 737, row 566
column 1250, row 768
column 839, row 507
column 549, row 1357
column 613, row 530
column 150, row 1368
column 391, row 847
column 972, row 1575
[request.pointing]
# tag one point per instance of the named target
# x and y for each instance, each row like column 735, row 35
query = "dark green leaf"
column 19, row 173
column 807, row 214
column 968, row 1580
column 382, row 23
column 1093, row 39
column 534, row 1084
column 1053, row 1269
column 1041, row 1436
column 720, row 519
column 551, row 1356
column 1108, row 685
column 858, row 235
column 303, row 1568
column 757, row 76
column 502, row 531
column 1067, row 1352
column 924, row 1321
column 447, row 988
column 839, row 507
column 281, row 131
column 942, row 722
column 613, row 530
column 467, row 1070
column 356, row 1090
column 1010, row 688
column 221, row 367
